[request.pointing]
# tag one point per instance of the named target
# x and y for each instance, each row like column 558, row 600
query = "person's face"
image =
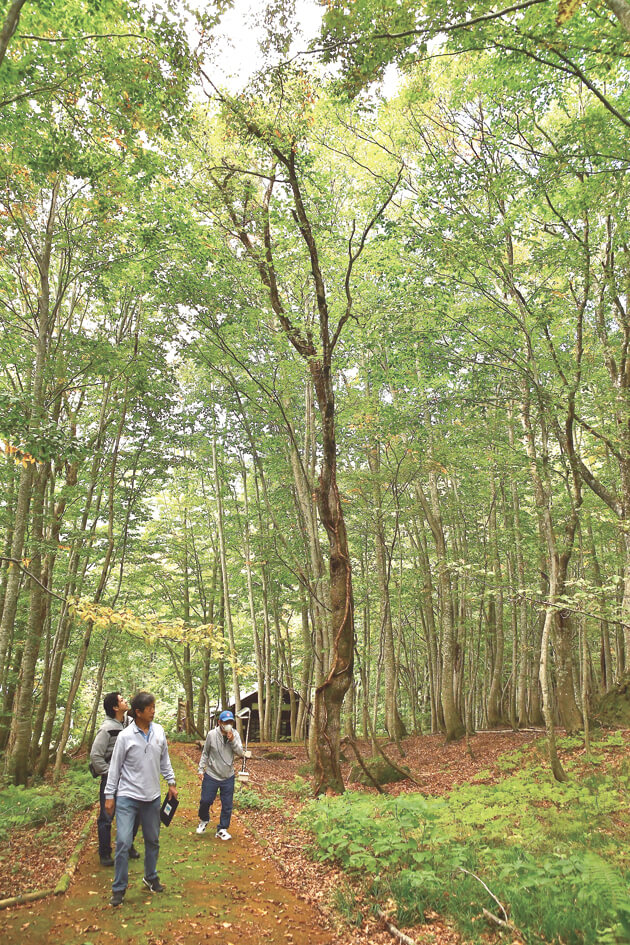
column 123, row 705
column 226, row 727
column 146, row 715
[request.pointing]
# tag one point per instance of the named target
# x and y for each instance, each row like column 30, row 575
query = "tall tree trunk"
column 258, row 653
column 393, row 721
column 18, row 754
column 105, row 572
column 608, row 675
column 454, row 727
column 186, row 664
column 227, row 608
column 495, row 612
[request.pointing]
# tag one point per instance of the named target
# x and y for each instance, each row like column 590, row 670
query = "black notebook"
column 167, row 812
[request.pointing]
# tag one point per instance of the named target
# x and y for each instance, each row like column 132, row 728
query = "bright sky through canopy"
column 237, row 53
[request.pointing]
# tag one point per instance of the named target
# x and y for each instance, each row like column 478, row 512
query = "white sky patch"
column 236, row 54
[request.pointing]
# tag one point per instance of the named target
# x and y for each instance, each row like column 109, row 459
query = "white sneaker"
column 202, row 826
column 222, row 834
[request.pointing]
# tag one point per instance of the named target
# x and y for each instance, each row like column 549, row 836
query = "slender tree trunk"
column 307, row 668
column 10, row 508
column 393, row 722
column 105, row 572
column 18, row 754
column 226, row 585
column 608, row 675
column 186, row 664
column 250, row 592
column 96, row 704
column 454, row 727
column 495, row 611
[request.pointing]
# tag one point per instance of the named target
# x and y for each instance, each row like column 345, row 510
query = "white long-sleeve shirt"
column 136, row 764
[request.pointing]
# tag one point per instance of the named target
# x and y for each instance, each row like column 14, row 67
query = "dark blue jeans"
column 209, row 788
column 104, row 825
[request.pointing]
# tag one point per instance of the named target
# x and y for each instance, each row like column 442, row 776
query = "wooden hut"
column 251, row 700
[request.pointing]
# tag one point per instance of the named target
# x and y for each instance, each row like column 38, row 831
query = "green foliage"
column 275, row 796
column 546, row 850
column 46, row 803
column 347, row 904
column 247, row 798
column 299, row 787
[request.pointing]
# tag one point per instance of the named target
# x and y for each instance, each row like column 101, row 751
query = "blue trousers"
column 104, row 825
column 209, row 788
column 148, row 813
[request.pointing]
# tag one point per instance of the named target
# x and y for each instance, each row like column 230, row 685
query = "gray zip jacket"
column 103, row 744
column 217, row 757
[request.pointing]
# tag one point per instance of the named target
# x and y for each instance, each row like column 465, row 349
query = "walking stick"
column 243, row 774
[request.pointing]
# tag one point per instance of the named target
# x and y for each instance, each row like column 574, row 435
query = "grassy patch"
column 248, row 798
column 348, row 905
column 47, row 803
column 552, row 853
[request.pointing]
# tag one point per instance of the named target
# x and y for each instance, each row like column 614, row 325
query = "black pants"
column 104, row 825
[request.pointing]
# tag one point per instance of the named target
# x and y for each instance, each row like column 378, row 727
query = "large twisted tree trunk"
column 329, row 695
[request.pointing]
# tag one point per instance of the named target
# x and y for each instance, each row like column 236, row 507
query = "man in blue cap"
column 216, row 768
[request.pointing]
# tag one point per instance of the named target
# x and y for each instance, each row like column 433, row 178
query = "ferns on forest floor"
column 45, row 803
column 552, row 853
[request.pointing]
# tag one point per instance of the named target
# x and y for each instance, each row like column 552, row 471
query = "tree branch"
column 10, row 26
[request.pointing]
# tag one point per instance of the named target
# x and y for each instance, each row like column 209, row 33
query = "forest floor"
column 436, row 766
column 260, row 887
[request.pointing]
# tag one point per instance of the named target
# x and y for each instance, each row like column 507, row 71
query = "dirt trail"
column 224, row 893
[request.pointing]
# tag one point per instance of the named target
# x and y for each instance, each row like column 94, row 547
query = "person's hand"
column 230, row 735
column 110, row 804
column 200, row 773
column 247, row 754
column 172, row 791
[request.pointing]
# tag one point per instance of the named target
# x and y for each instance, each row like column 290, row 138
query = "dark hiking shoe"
column 107, row 861
column 117, row 898
column 153, row 884
column 133, row 854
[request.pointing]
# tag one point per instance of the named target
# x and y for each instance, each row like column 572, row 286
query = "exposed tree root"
column 349, row 741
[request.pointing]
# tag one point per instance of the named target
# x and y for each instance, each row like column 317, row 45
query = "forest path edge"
column 215, row 891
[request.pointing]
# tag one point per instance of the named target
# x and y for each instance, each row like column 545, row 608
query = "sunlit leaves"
column 149, row 629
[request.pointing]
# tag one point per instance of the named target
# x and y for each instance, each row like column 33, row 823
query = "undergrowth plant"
column 553, row 854
column 247, row 798
column 46, row 803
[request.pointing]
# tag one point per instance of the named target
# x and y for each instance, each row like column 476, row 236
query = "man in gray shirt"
column 115, row 707
column 139, row 757
column 216, row 769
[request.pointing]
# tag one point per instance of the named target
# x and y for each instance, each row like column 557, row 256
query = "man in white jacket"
column 133, row 788
column 216, row 770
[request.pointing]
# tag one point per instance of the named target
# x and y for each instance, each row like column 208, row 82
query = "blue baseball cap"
column 226, row 716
